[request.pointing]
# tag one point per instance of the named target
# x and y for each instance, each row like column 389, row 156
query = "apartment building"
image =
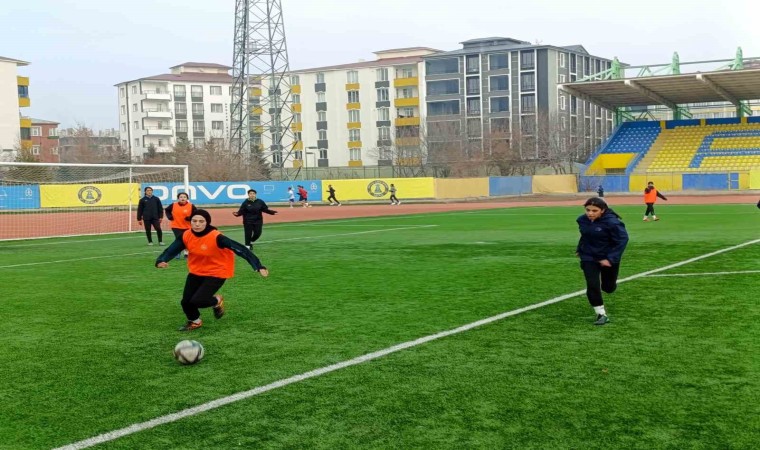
column 360, row 114
column 15, row 129
column 191, row 103
column 497, row 90
column 44, row 137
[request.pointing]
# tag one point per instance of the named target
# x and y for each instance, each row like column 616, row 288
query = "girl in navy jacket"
column 603, row 240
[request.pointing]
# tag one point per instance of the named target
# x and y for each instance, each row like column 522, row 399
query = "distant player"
column 253, row 221
column 331, row 190
column 291, row 196
column 179, row 214
column 150, row 211
column 303, row 196
column 650, row 197
column 394, row 199
column 600, row 248
column 210, row 263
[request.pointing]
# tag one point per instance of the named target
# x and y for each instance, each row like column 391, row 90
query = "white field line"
column 142, row 426
column 410, row 227
column 704, row 274
column 670, row 213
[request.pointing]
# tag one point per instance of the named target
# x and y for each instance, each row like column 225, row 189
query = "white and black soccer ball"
column 188, row 352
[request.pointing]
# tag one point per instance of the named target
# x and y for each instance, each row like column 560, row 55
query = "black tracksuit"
column 253, row 221
column 332, row 198
column 604, row 238
column 150, row 211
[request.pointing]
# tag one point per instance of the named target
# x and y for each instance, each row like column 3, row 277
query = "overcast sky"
column 79, row 49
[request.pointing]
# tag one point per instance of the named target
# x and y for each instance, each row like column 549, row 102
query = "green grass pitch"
column 88, row 325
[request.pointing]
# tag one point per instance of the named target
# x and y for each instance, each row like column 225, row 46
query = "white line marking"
column 738, row 272
column 142, row 426
column 410, row 227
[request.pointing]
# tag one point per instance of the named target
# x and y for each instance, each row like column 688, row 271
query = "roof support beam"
column 718, row 90
column 582, row 96
column 651, row 94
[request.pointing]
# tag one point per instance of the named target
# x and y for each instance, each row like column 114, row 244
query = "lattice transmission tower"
column 261, row 98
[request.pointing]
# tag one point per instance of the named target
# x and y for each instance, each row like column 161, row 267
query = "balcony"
column 404, row 82
column 156, row 131
column 297, row 107
column 158, row 113
column 411, row 101
column 354, row 144
column 295, row 89
column 407, row 121
column 296, row 126
column 26, row 122
column 411, row 141
column 354, row 125
column 352, row 86
column 182, row 134
column 24, row 102
column 254, row 92
column 355, row 163
column 156, row 95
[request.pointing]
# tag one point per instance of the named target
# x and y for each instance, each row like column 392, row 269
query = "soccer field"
column 88, row 327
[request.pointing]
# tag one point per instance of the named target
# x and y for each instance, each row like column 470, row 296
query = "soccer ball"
column 188, row 352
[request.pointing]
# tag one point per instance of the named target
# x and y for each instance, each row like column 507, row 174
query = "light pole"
column 306, row 159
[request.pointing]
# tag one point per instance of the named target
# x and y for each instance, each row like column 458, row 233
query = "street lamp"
column 306, row 159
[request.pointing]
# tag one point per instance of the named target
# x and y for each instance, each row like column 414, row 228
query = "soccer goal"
column 40, row 200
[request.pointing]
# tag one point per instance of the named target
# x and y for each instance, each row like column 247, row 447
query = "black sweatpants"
column 599, row 279
column 332, row 198
column 393, row 198
column 650, row 209
column 178, row 232
column 155, row 223
column 199, row 293
column 252, row 232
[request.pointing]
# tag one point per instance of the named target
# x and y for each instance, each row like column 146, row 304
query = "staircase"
column 650, row 155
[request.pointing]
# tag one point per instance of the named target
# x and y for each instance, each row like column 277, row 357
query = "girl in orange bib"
column 179, row 214
column 210, row 263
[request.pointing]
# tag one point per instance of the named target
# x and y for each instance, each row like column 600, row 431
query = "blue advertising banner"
column 234, row 192
column 19, row 197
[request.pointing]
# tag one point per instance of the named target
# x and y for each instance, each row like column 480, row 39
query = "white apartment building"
column 192, row 102
column 14, row 94
column 361, row 114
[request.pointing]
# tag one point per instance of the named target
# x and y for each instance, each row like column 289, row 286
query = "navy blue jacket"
column 604, row 238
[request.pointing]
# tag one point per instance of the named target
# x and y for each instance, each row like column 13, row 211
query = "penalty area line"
column 204, row 407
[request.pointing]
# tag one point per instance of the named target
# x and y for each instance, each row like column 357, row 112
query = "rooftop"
column 43, row 122
column 11, row 60
column 200, row 64
column 496, row 43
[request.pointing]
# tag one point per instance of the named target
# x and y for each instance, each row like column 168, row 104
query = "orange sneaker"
column 190, row 325
column 219, row 308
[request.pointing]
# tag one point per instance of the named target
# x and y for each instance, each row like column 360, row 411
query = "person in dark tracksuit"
column 393, row 198
column 150, row 212
column 600, row 248
column 331, row 198
column 253, row 221
column 210, row 263
column 179, row 214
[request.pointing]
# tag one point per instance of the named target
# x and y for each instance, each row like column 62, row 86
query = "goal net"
column 45, row 199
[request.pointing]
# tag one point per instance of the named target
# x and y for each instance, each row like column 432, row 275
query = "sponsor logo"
column 377, row 188
column 89, row 195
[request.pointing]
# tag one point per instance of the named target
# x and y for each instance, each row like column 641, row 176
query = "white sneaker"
column 398, row 203
column 150, row 243
column 332, row 204
column 161, row 244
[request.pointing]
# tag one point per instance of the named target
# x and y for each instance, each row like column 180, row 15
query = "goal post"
column 39, row 200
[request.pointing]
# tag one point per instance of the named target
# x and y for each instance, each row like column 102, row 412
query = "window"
column 355, row 154
column 123, row 109
column 384, row 133
column 134, row 107
column 573, row 64
column 443, row 87
column 406, row 92
column 54, row 150
column 36, row 131
column 297, row 118
column 474, row 128
column 405, row 72
column 562, row 59
column 473, row 63
column 196, row 91
column 499, row 104
column 563, row 123
column 353, row 96
column 179, row 90
column 527, row 60
column 122, row 92
column 297, row 136
column 296, row 98
column 322, row 135
column 499, row 83
column 320, row 97
column 53, row 132
column 498, row 61
column 406, row 111
column 352, row 76
column 35, row 149
column 562, row 102
column 136, row 125
column 216, row 108
column 137, row 142
column 354, row 135
column 182, row 126
column 322, row 116
column 199, row 142
column 384, row 114
column 562, row 78
column 528, row 82
column 162, row 142
column 320, row 77
column 382, row 95
column 353, row 115
column 295, row 80
column 441, row 66
column 444, row 129
column 134, row 89
column 298, row 154
column 528, row 124
column 473, row 106
column 500, row 125
column 123, row 126
column 198, row 125
column 446, row 108
column 215, row 90
column 473, row 86
column 528, row 103
column 322, row 153
column 217, row 125
column 573, row 104
column 197, row 108
column 180, row 108
column 382, row 74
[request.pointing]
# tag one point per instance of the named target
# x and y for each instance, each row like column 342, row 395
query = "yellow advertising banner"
column 754, row 179
column 555, row 184
column 89, row 195
column 461, row 187
column 379, row 188
column 666, row 182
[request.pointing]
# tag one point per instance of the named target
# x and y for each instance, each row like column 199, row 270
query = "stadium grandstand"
column 683, row 152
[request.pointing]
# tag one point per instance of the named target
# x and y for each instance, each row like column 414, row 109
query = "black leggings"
column 178, row 232
column 650, row 209
column 332, row 198
column 199, row 293
column 252, row 232
column 599, row 279
column 394, row 198
column 157, row 225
